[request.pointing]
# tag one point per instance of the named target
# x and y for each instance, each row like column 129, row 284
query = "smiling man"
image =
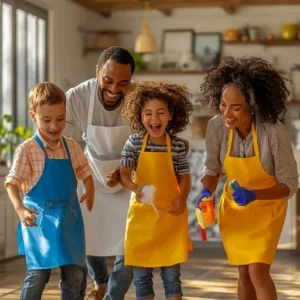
column 94, row 119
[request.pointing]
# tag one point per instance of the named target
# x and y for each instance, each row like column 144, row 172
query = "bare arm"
column 25, row 214
column 210, row 182
column 126, row 181
column 90, row 192
column 185, row 186
column 278, row 191
column 178, row 205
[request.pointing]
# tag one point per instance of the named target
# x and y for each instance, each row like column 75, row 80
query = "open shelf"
column 276, row 42
column 170, row 72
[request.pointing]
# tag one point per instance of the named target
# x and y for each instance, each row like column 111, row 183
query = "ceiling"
column 106, row 7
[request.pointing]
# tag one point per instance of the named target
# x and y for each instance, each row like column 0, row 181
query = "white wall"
column 269, row 18
column 67, row 65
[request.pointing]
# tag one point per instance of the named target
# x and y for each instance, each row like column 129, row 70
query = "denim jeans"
column 142, row 278
column 35, row 281
column 117, row 283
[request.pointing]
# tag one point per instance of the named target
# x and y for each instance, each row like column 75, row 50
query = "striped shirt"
column 133, row 147
column 275, row 150
column 29, row 161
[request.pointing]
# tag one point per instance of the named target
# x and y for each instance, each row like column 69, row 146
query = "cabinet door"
column 11, row 246
column 8, row 225
column 2, row 226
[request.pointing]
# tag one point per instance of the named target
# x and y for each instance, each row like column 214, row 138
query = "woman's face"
column 234, row 108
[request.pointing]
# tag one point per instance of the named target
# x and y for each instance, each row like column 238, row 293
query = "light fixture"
column 145, row 42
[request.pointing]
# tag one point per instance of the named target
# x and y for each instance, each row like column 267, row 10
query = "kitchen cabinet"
column 8, row 222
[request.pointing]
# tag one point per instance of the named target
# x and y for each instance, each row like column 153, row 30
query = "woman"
column 247, row 142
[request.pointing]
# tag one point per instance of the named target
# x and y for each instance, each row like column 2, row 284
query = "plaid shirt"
column 29, row 160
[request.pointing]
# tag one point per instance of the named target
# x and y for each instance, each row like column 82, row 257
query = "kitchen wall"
column 269, row 18
column 67, row 65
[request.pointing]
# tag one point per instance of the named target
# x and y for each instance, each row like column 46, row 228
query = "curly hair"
column 262, row 86
column 117, row 54
column 177, row 97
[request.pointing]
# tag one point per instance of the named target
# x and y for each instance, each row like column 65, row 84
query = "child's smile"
column 155, row 117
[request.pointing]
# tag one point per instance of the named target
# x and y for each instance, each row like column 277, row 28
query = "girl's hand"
column 88, row 197
column 177, row 206
column 139, row 194
column 27, row 216
column 113, row 178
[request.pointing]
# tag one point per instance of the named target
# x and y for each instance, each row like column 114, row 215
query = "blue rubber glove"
column 243, row 196
column 204, row 194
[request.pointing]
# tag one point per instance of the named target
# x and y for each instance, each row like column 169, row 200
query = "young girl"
column 247, row 142
column 157, row 237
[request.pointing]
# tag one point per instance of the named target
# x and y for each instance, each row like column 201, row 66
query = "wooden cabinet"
column 8, row 224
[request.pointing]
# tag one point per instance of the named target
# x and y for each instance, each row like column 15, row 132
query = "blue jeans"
column 117, row 283
column 142, row 278
column 35, row 281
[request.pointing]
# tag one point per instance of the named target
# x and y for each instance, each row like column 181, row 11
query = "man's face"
column 114, row 80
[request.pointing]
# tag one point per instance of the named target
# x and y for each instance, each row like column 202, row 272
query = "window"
column 23, row 56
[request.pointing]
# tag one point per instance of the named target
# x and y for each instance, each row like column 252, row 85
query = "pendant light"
column 145, row 42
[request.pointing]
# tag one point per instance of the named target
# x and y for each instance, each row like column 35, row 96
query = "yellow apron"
column 156, row 239
column 249, row 233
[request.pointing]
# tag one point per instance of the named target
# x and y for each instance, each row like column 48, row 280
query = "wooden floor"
column 206, row 276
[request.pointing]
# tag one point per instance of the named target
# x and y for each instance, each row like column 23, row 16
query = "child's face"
column 155, row 117
column 51, row 121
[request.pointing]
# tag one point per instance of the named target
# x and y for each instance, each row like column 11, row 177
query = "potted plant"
column 10, row 138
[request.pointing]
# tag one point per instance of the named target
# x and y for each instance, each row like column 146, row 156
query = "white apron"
column 105, row 224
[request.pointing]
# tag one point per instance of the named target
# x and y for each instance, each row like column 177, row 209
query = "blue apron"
column 58, row 239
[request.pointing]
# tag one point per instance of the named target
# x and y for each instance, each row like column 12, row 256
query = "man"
column 94, row 109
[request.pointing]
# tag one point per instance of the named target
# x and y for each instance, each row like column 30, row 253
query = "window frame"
column 40, row 14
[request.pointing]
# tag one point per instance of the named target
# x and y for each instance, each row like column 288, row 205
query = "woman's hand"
column 27, row 216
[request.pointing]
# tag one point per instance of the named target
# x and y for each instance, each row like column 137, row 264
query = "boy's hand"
column 27, row 216
column 177, row 206
column 113, row 178
column 88, row 197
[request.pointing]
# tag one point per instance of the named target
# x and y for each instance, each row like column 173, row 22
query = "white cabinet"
column 288, row 238
column 8, row 225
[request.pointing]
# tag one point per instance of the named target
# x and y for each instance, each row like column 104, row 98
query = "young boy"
column 45, row 167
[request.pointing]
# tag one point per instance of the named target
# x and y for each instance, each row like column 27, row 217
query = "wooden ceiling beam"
column 229, row 9
column 166, row 6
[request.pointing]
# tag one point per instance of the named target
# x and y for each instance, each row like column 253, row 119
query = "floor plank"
column 206, row 276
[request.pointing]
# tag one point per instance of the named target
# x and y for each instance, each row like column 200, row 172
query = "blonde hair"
column 45, row 93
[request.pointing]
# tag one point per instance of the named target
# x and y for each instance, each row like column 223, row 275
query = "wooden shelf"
column 293, row 102
column 277, row 42
column 170, row 72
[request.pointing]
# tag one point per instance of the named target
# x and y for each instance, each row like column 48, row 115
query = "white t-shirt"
column 78, row 99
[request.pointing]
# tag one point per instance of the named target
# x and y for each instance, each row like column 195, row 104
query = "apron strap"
column 66, row 147
column 145, row 139
column 91, row 104
column 39, row 141
column 230, row 138
column 254, row 138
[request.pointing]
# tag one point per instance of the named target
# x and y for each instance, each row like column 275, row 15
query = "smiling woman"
column 247, row 142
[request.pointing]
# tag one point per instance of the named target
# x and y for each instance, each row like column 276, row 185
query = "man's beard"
column 111, row 106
